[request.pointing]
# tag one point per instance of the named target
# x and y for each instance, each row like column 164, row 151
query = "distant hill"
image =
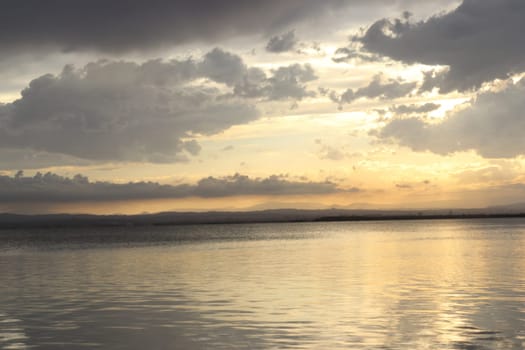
column 511, row 208
column 258, row 216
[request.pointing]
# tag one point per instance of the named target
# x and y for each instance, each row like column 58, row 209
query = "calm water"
column 370, row 285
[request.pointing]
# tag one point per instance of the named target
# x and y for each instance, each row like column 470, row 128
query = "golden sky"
column 381, row 104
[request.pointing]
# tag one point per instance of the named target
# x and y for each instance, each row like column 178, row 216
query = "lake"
column 433, row 284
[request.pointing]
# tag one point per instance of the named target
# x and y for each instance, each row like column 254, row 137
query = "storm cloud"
column 125, row 111
column 479, row 41
column 493, row 126
column 50, row 187
column 127, row 25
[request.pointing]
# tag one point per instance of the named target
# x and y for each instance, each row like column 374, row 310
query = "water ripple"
column 458, row 285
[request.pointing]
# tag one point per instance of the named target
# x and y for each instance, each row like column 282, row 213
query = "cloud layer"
column 51, row 187
column 481, row 40
column 124, row 111
column 126, row 25
column 493, row 127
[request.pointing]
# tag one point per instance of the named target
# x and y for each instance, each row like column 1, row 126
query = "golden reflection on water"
column 394, row 285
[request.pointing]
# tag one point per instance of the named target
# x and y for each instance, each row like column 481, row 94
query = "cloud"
column 192, row 147
column 351, row 53
column 331, row 153
column 433, row 79
column 286, row 82
column 282, row 43
column 125, row 111
column 377, row 88
column 117, row 111
column 272, row 185
column 51, row 187
column 479, row 41
column 129, row 25
column 328, row 152
column 494, row 173
column 30, row 159
column 493, row 126
column 413, row 108
column 223, row 67
column 404, row 186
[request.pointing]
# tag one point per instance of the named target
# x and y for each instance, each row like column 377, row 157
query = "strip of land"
column 14, row 221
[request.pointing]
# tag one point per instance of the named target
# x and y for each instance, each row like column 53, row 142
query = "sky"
column 135, row 106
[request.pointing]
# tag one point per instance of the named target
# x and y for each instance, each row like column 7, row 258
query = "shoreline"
column 17, row 221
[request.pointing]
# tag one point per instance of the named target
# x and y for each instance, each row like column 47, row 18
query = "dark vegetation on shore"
column 14, row 221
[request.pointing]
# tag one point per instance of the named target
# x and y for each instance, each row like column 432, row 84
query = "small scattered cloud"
column 329, row 152
column 377, row 88
column 414, row 108
column 354, row 52
column 404, row 186
column 282, row 43
column 413, row 185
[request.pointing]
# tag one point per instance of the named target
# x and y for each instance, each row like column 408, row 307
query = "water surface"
column 448, row 284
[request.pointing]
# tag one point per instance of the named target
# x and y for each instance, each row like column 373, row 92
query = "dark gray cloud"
column 283, row 83
column 377, row 88
column 192, row 147
column 282, row 43
column 124, row 25
column 272, row 185
column 433, row 79
column 51, row 187
column 124, row 111
column 414, row 109
column 288, row 82
column 117, row 111
column 349, row 53
column 493, row 127
column 29, row 159
column 136, row 25
column 479, row 41
column 224, row 67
